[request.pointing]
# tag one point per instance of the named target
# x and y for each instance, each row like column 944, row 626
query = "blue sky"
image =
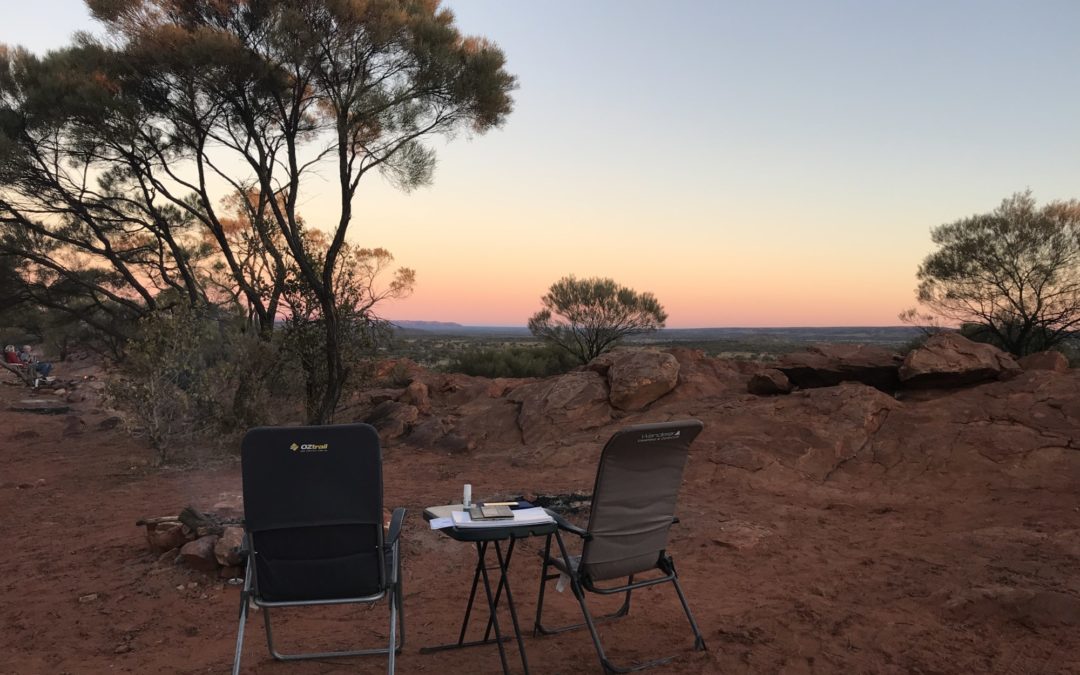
column 765, row 163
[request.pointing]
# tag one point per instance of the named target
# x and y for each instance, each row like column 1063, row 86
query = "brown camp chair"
column 633, row 508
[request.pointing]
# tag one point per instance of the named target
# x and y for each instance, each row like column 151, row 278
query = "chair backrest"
column 633, row 505
column 313, row 511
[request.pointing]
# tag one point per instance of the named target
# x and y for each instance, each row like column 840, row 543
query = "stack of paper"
column 533, row 516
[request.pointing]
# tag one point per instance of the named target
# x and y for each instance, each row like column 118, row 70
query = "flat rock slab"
column 41, row 406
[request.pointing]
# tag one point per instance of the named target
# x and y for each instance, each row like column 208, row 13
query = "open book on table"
column 533, row 516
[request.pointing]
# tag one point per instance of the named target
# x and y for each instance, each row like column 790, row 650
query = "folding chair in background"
column 313, row 519
column 633, row 508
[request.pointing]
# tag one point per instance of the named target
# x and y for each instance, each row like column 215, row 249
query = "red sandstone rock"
column 165, row 536
column 637, row 377
column 830, row 364
column 952, row 360
column 199, row 554
column 702, row 377
column 769, row 382
column 553, row 407
column 392, row 419
column 1048, row 360
column 227, row 547
column 417, row 394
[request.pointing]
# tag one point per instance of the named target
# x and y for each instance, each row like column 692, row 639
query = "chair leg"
column 699, row 640
column 609, row 667
column 393, row 648
column 327, row 655
column 244, row 604
column 538, row 626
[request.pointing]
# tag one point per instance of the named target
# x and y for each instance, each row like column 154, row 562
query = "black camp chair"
column 633, row 508
column 313, row 528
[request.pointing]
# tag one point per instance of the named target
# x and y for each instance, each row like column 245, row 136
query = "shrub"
column 534, row 361
column 163, row 388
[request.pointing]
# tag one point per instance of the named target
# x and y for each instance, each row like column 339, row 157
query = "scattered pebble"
column 89, row 597
column 122, row 649
column 181, row 587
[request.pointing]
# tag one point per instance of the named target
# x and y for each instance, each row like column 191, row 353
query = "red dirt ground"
column 789, row 577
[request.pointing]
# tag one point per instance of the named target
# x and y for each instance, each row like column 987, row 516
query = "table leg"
column 492, row 606
column 503, row 568
column 481, row 550
column 505, row 581
column 493, row 599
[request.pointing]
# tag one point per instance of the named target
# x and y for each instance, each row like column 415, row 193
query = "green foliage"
column 164, row 389
column 524, row 361
column 594, row 315
column 1015, row 272
column 193, row 378
column 183, row 105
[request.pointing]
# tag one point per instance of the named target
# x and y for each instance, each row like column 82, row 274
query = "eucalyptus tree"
column 1012, row 275
column 186, row 104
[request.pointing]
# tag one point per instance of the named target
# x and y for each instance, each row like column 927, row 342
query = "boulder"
column 769, row 382
column 417, row 394
column 199, row 554
column 379, row 395
column 551, row 408
column 701, row 376
column 637, row 377
column 1048, row 360
column 165, row 536
column 227, row 547
column 952, row 360
column 830, row 364
column 392, row 418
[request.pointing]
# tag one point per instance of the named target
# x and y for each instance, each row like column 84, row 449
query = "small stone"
column 60, row 392
column 89, row 597
column 122, row 649
column 181, row 587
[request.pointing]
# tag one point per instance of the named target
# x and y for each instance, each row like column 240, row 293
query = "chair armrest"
column 566, row 525
column 395, row 525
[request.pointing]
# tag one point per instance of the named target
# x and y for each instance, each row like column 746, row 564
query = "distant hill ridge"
column 859, row 334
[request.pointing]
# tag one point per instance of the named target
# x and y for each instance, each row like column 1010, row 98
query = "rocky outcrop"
column 416, row 394
column 702, row 377
column 637, row 377
column 553, row 407
column 952, row 360
column 829, row 365
column 769, row 382
column 392, row 419
column 1049, row 360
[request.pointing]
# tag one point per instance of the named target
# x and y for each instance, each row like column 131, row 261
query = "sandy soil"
column 788, row 577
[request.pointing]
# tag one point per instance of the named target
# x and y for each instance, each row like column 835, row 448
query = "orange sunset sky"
column 751, row 164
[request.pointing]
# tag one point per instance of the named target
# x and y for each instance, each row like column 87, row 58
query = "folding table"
column 490, row 538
